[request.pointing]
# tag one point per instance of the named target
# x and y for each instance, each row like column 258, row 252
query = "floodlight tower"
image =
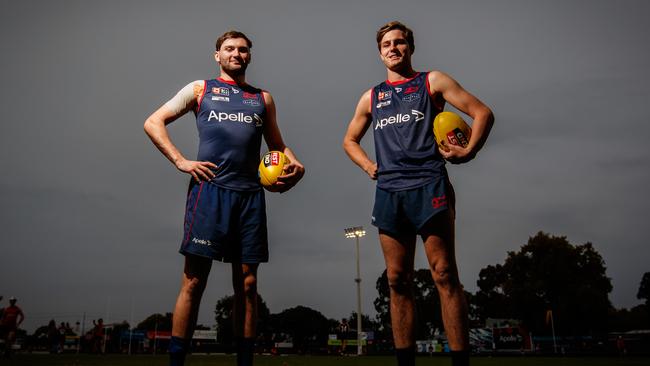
column 357, row 232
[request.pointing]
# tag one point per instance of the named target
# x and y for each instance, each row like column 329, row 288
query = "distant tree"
column 548, row 273
column 306, row 327
column 224, row 319
column 644, row 289
column 157, row 321
column 623, row 320
column 491, row 301
column 39, row 339
column 367, row 324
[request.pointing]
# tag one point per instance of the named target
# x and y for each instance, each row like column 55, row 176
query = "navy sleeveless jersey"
column 230, row 119
column 402, row 117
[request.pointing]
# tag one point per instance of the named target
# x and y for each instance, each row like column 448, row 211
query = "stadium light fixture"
column 355, row 233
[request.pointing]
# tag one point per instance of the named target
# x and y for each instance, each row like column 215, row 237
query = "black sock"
column 177, row 351
column 245, row 348
column 459, row 358
column 405, row 356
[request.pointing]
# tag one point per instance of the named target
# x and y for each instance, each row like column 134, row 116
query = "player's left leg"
column 438, row 236
column 244, row 282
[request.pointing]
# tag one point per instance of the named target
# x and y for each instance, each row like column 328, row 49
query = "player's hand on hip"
column 200, row 170
column 293, row 172
column 456, row 154
column 371, row 170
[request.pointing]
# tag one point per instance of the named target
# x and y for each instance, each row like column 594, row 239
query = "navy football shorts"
column 225, row 225
column 409, row 210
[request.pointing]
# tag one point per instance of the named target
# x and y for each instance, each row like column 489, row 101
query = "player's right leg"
column 244, row 283
column 438, row 236
column 399, row 252
column 195, row 277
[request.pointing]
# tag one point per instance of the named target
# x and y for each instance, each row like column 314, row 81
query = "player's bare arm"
column 156, row 128
column 294, row 171
column 356, row 130
column 482, row 116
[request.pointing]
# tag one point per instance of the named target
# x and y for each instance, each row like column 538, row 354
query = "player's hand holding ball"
column 278, row 173
column 452, row 135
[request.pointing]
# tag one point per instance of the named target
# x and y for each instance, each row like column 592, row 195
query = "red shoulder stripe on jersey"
column 372, row 93
column 437, row 99
column 428, row 86
column 263, row 99
column 205, row 89
column 402, row 81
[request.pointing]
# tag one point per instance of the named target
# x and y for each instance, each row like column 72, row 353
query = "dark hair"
column 396, row 25
column 232, row 34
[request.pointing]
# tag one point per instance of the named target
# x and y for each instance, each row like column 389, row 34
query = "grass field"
column 197, row 360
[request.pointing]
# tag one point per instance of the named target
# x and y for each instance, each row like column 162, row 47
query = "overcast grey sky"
column 92, row 213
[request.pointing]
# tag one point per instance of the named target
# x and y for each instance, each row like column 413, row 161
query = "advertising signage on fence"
column 161, row 334
column 136, row 335
column 350, row 342
column 205, row 335
column 198, row 334
column 510, row 338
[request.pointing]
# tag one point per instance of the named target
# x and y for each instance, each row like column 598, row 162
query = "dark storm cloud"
column 92, row 213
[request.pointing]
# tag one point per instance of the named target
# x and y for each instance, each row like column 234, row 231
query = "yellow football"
column 271, row 167
column 450, row 129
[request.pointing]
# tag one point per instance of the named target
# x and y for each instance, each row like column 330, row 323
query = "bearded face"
column 234, row 56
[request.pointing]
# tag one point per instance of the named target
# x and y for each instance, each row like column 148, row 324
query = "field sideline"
column 219, row 360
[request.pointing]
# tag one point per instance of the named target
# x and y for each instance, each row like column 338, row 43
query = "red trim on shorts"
column 196, row 204
column 402, row 81
column 205, row 88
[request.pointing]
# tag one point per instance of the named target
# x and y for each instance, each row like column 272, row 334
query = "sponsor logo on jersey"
column 438, row 202
column 236, row 91
column 398, row 90
column 415, row 115
column 220, row 91
column 251, row 102
column 411, row 89
column 251, row 99
column 410, row 97
column 383, row 104
column 383, row 95
column 220, row 98
column 236, row 117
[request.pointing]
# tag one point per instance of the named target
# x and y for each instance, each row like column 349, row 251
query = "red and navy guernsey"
column 230, row 120
column 406, row 150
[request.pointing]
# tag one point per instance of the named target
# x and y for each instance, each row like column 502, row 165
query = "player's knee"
column 399, row 282
column 250, row 285
column 193, row 287
column 445, row 278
